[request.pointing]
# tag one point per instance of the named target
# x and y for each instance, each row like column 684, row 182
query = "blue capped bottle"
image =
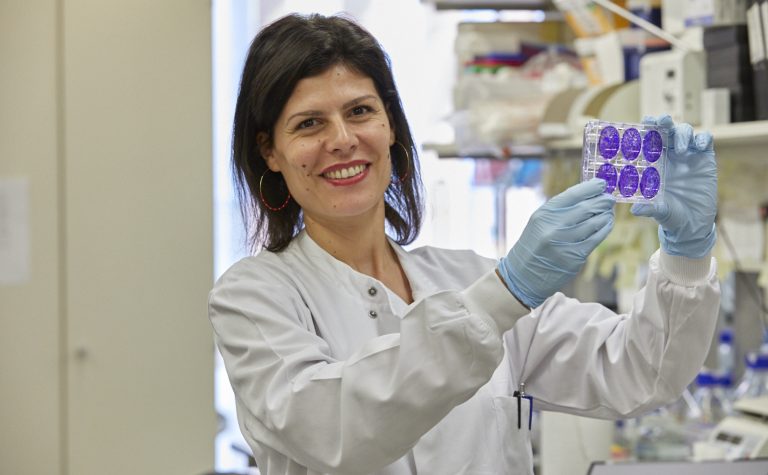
column 726, row 359
column 712, row 398
column 754, row 383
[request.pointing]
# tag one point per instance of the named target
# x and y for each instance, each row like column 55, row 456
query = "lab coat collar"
column 338, row 271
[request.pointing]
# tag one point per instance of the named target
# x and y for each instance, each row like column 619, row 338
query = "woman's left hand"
column 686, row 216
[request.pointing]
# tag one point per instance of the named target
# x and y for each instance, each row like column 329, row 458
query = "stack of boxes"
column 728, row 66
column 757, row 30
column 734, row 36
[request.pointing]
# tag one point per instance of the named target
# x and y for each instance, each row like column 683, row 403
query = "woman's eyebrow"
column 313, row 113
column 358, row 100
column 310, row 113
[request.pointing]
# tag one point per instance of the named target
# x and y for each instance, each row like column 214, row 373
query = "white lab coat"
column 333, row 373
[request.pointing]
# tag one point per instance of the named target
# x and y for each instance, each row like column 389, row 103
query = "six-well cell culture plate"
column 630, row 157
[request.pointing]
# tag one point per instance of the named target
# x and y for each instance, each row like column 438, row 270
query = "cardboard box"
column 734, row 56
column 742, row 103
column 729, row 76
column 717, row 36
column 758, row 52
column 761, row 89
column 715, row 12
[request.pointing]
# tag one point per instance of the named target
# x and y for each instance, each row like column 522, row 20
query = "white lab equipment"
column 738, row 467
column 671, row 82
column 745, row 433
column 569, row 444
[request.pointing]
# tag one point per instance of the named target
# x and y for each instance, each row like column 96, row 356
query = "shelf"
column 564, row 144
column 491, row 4
column 741, row 133
column 502, row 153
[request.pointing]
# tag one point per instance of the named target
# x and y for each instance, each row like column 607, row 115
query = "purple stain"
column 652, row 145
column 628, row 181
column 609, row 142
column 650, row 182
column 608, row 173
column 631, row 143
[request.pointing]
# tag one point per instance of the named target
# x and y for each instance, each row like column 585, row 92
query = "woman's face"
column 331, row 143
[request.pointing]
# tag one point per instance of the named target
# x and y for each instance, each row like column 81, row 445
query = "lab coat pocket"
column 514, row 433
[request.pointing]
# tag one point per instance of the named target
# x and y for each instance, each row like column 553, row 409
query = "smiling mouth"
column 343, row 173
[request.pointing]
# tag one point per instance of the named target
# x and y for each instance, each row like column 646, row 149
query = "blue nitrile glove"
column 556, row 242
column 687, row 216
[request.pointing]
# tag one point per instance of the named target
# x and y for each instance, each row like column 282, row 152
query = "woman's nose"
column 341, row 137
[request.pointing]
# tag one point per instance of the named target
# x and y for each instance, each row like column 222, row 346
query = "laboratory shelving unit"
column 618, row 102
column 735, row 134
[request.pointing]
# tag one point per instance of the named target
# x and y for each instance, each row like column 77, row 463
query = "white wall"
column 106, row 356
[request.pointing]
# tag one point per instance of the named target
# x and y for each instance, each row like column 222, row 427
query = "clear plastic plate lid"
column 631, row 158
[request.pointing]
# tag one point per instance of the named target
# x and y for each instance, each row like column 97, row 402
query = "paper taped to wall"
column 14, row 230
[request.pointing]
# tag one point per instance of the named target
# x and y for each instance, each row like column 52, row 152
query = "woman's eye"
column 306, row 124
column 360, row 110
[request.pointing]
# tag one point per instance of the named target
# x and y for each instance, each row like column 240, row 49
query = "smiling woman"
column 317, row 100
column 349, row 354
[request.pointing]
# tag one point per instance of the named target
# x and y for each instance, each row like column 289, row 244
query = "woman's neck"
column 362, row 245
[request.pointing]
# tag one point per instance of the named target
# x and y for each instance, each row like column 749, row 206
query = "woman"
column 349, row 354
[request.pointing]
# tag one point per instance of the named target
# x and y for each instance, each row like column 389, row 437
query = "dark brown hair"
column 290, row 49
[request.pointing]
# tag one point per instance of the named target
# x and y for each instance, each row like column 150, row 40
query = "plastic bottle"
column 669, row 432
column 661, row 437
column 621, row 444
column 685, row 409
column 711, row 397
column 754, row 383
column 725, row 353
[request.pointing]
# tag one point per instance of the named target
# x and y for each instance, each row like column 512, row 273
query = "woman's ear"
column 267, row 151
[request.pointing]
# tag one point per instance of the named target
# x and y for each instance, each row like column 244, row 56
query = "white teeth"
column 345, row 172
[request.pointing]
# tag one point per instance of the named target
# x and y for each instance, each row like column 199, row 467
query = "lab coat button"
column 373, row 314
column 372, row 291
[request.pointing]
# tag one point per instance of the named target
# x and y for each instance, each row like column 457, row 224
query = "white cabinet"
column 106, row 357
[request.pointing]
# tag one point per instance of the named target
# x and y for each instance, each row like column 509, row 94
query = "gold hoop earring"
column 264, row 201
column 401, row 179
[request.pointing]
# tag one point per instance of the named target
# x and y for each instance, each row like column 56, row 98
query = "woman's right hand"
column 556, row 242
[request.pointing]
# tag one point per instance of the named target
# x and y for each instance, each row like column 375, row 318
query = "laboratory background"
column 117, row 211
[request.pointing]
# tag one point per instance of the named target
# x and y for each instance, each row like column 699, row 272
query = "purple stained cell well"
column 628, row 179
column 652, row 145
column 650, row 183
column 631, row 143
column 608, row 173
column 609, row 142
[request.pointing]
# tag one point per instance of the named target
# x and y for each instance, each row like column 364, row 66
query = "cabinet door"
column 30, row 382
column 137, row 236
